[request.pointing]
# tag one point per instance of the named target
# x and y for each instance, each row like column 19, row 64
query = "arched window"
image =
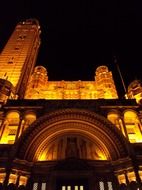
column 10, row 127
column 29, row 118
column 133, row 126
column 114, row 118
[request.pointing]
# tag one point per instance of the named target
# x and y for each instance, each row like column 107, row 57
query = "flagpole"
column 122, row 80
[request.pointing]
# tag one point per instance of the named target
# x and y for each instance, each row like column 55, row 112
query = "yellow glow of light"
column 137, row 138
column 42, row 157
column 13, row 115
column 140, row 174
column 121, row 178
column 8, row 140
column 102, row 156
column 132, row 126
column 23, row 180
column 131, row 176
column 113, row 117
column 12, row 178
column 2, row 177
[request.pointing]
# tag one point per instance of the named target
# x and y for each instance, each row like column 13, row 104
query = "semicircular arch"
column 76, row 122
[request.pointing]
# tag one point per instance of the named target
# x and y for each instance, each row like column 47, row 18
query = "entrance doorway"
column 72, row 184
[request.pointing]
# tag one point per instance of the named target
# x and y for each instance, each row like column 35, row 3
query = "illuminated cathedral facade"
column 65, row 135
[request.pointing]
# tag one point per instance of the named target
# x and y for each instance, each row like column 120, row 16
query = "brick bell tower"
column 18, row 58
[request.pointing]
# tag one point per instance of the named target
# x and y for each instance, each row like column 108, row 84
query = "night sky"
column 79, row 35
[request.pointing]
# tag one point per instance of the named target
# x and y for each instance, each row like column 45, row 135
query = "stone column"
column 19, row 128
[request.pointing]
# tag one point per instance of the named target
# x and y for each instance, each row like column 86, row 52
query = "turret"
column 135, row 91
column 105, row 83
column 37, row 81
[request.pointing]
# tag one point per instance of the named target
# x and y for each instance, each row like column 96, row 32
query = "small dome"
column 135, row 84
column 101, row 69
column 135, row 91
column 40, row 69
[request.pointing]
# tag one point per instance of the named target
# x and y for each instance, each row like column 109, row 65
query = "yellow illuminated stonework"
column 16, row 63
column 129, row 124
column 23, row 180
column 2, row 177
column 65, row 134
column 12, row 178
column 121, row 179
column 13, row 126
column 40, row 88
column 133, row 126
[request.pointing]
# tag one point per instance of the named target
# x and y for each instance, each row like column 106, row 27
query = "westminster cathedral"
column 65, row 135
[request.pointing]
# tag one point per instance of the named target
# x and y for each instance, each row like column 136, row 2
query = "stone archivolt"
column 71, row 126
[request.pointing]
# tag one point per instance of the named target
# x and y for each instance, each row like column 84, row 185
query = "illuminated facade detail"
column 18, row 58
column 2, row 176
column 133, row 126
column 135, row 91
column 122, row 179
column 64, row 135
column 14, row 125
column 10, row 128
column 71, row 146
column 105, row 83
column 129, row 123
column 40, row 88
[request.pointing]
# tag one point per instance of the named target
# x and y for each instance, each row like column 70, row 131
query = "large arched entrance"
column 72, row 149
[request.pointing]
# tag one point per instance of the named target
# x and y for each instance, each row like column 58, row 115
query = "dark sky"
column 79, row 35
